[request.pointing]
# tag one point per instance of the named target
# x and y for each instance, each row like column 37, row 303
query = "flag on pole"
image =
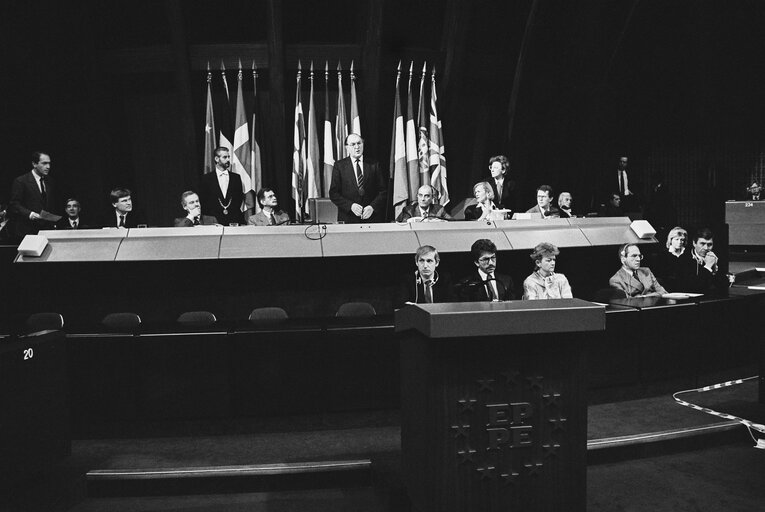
column 256, row 166
column 423, row 154
column 329, row 152
column 398, row 154
column 241, row 157
column 225, row 116
column 355, row 119
column 299, row 154
column 437, row 150
column 341, row 122
column 412, row 160
column 313, row 164
column 210, row 139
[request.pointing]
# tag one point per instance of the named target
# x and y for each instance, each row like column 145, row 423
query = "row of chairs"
column 131, row 322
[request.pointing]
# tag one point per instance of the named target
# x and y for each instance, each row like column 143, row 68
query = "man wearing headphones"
column 632, row 279
column 426, row 285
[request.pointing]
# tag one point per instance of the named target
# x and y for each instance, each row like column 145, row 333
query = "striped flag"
column 355, row 119
column 225, row 116
column 210, row 140
column 398, row 154
column 256, row 168
column 437, row 150
column 412, row 160
column 241, row 157
column 298, row 154
column 341, row 122
column 423, row 153
column 329, row 152
column 313, row 164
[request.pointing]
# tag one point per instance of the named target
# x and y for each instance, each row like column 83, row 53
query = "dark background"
column 115, row 91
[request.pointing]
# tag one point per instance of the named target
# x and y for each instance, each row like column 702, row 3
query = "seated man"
column 72, row 220
column 483, row 284
column 544, row 205
column 426, row 285
column 123, row 215
column 700, row 272
column 632, row 279
column 424, row 208
column 613, row 208
column 190, row 202
column 270, row 215
column 564, row 203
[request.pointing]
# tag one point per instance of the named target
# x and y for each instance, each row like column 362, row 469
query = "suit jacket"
column 206, row 220
column 260, row 218
column 213, row 200
column 642, row 284
column 344, row 190
column 694, row 276
column 553, row 213
column 26, row 198
column 510, row 198
column 65, row 224
column 473, row 288
column 413, row 289
column 132, row 220
column 413, row 210
column 474, row 211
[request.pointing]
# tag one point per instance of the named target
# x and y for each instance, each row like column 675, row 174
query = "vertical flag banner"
column 225, row 116
column 437, row 150
column 298, row 155
column 313, row 164
column 329, row 152
column 412, row 161
column 341, row 122
column 398, row 154
column 423, row 142
column 256, row 166
column 355, row 119
column 210, row 140
column 241, row 157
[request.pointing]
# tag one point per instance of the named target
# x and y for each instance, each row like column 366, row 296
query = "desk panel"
column 368, row 239
column 608, row 231
column 79, row 245
column 526, row 234
column 459, row 236
column 270, row 242
column 154, row 244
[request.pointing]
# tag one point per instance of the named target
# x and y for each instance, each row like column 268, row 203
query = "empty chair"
column 268, row 316
column 122, row 322
column 44, row 322
column 356, row 310
column 197, row 319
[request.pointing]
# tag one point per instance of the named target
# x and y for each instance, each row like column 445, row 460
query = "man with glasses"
column 358, row 186
column 632, row 279
column 544, row 205
column 484, row 284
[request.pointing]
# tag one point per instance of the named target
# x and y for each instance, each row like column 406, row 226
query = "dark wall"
column 674, row 85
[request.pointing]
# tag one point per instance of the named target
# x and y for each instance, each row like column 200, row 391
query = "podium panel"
column 496, row 421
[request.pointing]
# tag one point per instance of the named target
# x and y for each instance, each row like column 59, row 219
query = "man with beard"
column 484, row 284
column 358, row 186
column 221, row 190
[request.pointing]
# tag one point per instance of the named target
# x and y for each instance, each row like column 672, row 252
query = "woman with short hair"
column 485, row 197
column 544, row 283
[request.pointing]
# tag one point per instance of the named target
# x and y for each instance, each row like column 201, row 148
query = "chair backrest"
column 122, row 322
column 44, row 322
column 268, row 316
column 356, row 310
column 197, row 319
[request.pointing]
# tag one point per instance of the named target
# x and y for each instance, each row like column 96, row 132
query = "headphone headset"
column 418, row 281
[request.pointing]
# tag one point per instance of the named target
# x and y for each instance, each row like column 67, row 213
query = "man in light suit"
column 358, row 186
column 270, row 214
column 221, row 190
column 632, row 279
column 190, row 202
column 31, row 193
column 484, row 284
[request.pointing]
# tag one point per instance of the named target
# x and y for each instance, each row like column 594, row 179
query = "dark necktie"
column 359, row 177
column 271, row 221
column 74, row 224
column 490, row 288
column 122, row 222
column 43, row 192
column 428, row 286
column 621, row 184
column 196, row 220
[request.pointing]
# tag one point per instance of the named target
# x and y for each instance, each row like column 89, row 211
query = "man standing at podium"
column 358, row 186
column 484, row 284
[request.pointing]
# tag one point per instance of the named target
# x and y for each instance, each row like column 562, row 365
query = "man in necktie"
column 221, row 190
column 193, row 206
column 123, row 214
column 427, row 285
column 631, row 278
column 424, row 209
column 73, row 219
column 270, row 213
column 31, row 194
column 359, row 187
column 485, row 284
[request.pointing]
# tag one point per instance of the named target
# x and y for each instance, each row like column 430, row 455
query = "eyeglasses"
column 635, row 256
column 486, row 259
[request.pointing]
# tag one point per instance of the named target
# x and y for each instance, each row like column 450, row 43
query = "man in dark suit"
column 505, row 191
column 221, row 190
column 358, row 187
column 190, row 202
column 426, row 285
column 484, row 284
column 424, row 209
column 701, row 272
column 72, row 219
column 123, row 216
column 31, row 194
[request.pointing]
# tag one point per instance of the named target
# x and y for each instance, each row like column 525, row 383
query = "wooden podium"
column 494, row 413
